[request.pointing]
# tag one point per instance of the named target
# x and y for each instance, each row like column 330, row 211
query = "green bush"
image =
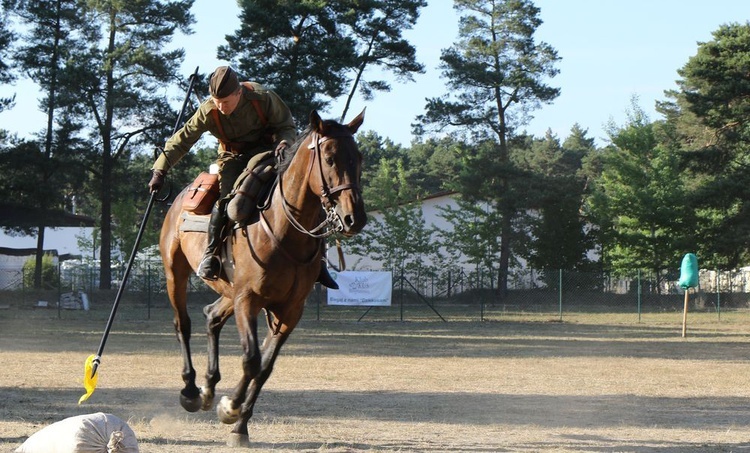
column 49, row 272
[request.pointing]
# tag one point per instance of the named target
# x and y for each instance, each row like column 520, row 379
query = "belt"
column 235, row 147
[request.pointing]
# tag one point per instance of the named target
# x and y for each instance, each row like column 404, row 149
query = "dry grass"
column 389, row 386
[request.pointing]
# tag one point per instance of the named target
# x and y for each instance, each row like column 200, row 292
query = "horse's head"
column 339, row 169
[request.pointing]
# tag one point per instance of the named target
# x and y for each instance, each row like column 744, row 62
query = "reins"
column 332, row 224
column 277, row 243
column 326, row 194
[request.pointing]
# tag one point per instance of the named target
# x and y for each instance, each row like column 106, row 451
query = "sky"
column 612, row 51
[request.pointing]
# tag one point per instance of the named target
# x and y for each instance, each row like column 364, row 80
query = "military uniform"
column 242, row 134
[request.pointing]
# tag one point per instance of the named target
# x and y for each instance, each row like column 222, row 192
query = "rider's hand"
column 280, row 148
column 157, row 180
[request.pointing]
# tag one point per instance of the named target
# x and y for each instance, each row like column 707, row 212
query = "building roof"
column 12, row 215
column 8, row 251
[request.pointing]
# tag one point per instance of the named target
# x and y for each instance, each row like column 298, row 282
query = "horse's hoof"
column 238, row 440
column 207, row 397
column 224, row 411
column 190, row 404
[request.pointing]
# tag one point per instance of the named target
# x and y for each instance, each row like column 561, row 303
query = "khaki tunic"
column 243, row 125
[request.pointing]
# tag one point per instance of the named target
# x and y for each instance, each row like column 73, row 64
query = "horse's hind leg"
column 177, row 276
column 216, row 314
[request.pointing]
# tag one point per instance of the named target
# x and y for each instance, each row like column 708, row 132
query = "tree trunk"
column 39, row 256
column 105, row 253
column 505, row 235
column 105, row 272
column 46, row 175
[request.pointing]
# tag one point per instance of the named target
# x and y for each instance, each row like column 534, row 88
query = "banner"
column 370, row 289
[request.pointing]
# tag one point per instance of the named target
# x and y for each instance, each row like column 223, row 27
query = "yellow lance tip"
column 90, row 377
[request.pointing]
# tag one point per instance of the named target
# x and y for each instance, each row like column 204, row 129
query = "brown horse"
column 276, row 262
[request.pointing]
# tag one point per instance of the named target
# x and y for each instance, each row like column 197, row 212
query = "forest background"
column 654, row 191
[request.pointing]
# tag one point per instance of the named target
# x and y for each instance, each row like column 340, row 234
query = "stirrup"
column 209, row 268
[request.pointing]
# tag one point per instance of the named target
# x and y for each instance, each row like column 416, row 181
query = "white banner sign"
column 361, row 288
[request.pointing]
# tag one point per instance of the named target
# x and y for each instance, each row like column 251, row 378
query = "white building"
column 432, row 207
column 432, row 211
column 62, row 242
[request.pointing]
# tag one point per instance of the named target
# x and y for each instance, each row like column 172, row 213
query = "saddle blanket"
column 192, row 222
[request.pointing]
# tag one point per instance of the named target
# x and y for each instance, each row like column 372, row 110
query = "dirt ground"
column 399, row 386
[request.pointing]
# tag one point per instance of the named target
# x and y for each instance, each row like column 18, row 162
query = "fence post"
column 59, row 290
column 402, row 294
column 638, row 295
column 319, row 300
column 481, row 304
column 23, row 285
column 148, row 289
column 718, row 294
column 560, row 289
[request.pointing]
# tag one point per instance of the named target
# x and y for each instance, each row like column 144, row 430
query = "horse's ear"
column 316, row 123
column 357, row 121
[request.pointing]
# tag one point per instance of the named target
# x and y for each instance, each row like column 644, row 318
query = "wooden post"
column 684, row 314
column 689, row 278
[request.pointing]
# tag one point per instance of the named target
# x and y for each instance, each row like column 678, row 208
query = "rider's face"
column 226, row 105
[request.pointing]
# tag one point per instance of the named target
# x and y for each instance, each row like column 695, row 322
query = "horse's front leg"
column 269, row 351
column 228, row 409
column 190, row 394
column 217, row 315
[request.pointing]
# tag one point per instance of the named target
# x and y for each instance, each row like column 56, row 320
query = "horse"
column 276, row 263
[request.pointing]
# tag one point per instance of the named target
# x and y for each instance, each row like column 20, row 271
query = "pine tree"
column 556, row 228
column 709, row 116
column 639, row 200
column 377, row 27
column 311, row 53
column 121, row 77
column 497, row 73
column 6, row 39
column 48, row 42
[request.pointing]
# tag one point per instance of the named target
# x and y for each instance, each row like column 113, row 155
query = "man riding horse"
column 247, row 119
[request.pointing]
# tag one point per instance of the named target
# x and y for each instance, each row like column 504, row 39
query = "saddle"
column 250, row 193
column 252, row 188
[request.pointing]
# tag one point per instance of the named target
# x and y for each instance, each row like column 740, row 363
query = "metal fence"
column 536, row 295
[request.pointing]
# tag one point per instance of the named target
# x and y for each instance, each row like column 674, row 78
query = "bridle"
column 332, row 223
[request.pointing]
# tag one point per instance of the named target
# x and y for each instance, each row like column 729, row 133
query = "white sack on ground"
column 89, row 433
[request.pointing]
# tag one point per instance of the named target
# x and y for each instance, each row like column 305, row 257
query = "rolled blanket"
column 90, row 433
column 248, row 189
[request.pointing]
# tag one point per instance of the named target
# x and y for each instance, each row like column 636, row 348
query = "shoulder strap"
column 215, row 116
column 256, row 104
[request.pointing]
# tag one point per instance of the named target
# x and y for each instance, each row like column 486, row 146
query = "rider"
column 247, row 119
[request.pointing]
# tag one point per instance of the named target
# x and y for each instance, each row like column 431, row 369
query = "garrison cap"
column 223, row 82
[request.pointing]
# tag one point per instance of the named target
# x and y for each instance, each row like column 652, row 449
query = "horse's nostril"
column 349, row 220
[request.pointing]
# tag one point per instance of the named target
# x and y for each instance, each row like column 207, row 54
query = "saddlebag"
column 202, row 194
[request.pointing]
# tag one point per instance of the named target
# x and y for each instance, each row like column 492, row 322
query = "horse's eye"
column 329, row 161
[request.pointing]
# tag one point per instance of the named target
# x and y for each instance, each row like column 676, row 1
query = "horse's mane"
column 286, row 159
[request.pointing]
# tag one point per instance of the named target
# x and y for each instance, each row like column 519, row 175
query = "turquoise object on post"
column 689, row 271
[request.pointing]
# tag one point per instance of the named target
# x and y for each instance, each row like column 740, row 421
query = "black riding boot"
column 325, row 279
column 210, row 266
